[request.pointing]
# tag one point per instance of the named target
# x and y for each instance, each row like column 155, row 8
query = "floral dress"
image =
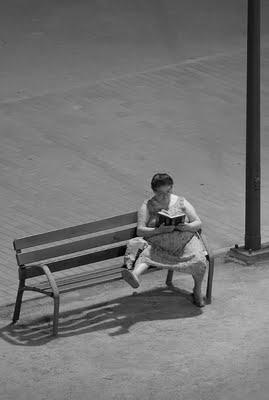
column 178, row 250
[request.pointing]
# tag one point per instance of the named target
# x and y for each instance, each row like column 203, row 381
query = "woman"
column 173, row 247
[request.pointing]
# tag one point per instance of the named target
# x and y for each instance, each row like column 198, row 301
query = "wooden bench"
column 110, row 232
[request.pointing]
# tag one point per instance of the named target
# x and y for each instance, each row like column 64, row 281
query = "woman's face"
column 163, row 191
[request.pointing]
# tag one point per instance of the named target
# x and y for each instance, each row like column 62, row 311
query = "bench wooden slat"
column 74, row 247
column 114, row 252
column 88, row 281
column 83, row 277
column 74, row 231
column 93, row 282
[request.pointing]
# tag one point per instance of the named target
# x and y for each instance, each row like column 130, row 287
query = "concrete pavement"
column 153, row 343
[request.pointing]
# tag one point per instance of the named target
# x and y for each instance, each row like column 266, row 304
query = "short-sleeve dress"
column 178, row 250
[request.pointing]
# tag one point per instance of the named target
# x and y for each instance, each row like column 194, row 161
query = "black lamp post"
column 253, row 168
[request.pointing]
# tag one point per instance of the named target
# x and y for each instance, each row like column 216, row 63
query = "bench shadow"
column 115, row 316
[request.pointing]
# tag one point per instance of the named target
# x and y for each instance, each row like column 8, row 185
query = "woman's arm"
column 194, row 221
column 143, row 217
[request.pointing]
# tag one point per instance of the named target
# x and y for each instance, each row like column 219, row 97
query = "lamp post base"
column 249, row 256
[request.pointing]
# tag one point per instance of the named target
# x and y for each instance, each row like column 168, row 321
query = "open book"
column 170, row 219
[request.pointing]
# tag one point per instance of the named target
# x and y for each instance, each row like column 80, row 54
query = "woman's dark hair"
column 161, row 180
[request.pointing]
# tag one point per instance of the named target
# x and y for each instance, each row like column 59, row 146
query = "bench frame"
column 28, row 268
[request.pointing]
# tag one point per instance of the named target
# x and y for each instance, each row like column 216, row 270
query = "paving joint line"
column 128, row 75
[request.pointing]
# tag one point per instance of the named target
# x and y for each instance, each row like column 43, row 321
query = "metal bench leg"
column 169, row 277
column 55, row 295
column 17, row 309
column 209, row 281
column 56, row 299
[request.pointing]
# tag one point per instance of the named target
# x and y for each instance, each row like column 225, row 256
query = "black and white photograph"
column 134, row 200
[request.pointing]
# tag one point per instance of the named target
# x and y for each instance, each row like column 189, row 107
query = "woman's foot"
column 198, row 299
column 130, row 278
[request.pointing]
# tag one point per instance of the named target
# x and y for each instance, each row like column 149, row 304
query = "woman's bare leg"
column 132, row 277
column 198, row 276
column 140, row 268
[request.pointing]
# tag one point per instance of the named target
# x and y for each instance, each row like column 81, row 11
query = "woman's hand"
column 183, row 227
column 166, row 228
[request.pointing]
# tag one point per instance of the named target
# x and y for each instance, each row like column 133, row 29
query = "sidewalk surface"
column 116, row 344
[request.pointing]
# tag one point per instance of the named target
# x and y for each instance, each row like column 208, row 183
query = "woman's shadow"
column 120, row 314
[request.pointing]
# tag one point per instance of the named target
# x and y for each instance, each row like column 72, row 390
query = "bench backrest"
column 42, row 248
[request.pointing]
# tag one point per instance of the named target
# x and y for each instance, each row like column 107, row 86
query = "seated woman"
column 172, row 247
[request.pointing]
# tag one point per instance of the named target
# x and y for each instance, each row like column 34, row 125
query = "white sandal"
column 130, row 278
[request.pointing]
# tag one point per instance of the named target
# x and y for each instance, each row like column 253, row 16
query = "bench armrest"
column 204, row 240
column 50, row 278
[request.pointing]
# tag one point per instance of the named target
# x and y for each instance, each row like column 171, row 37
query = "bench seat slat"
column 114, row 252
column 73, row 285
column 79, row 245
column 86, row 276
column 74, row 231
column 90, row 283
